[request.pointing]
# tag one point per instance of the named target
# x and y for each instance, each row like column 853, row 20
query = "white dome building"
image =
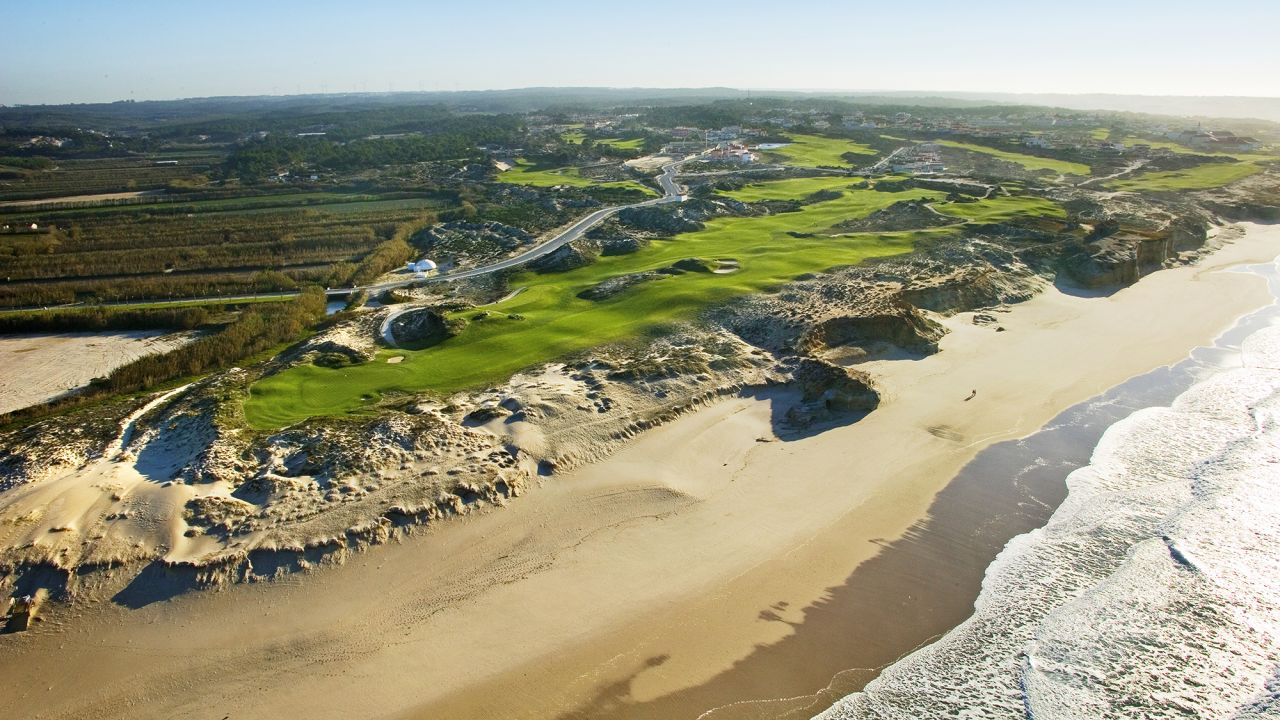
column 421, row 267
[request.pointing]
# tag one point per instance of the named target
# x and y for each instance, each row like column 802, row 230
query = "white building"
column 421, row 267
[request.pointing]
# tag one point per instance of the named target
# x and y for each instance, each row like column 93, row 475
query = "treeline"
column 256, row 329
column 99, row 319
column 173, row 286
column 27, row 163
column 453, row 138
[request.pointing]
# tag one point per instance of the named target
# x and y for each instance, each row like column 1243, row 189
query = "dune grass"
column 817, row 151
column 525, row 173
column 1201, row 177
column 548, row 321
column 1030, row 162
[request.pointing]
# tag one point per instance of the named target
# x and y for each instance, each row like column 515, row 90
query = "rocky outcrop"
column 611, row 287
column 903, row 215
column 424, row 327
column 829, row 391
column 902, row 327
column 465, row 244
column 564, row 258
column 1125, row 256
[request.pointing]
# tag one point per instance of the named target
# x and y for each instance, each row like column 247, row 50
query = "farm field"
column 226, row 246
column 816, row 151
column 554, row 322
column 1201, row 177
column 524, row 173
column 1030, row 162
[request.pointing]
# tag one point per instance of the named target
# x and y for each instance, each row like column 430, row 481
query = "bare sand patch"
column 68, row 199
column 41, row 367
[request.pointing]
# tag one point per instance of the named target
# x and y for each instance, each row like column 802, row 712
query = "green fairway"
column 817, row 151
column 1003, row 209
column 1030, row 162
column 524, row 173
column 791, row 189
column 1200, row 177
column 633, row 144
column 555, row 322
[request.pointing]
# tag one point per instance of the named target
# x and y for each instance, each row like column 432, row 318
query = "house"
column 421, row 267
column 919, row 167
column 733, row 153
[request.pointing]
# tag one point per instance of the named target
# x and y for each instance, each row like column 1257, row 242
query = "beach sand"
column 708, row 564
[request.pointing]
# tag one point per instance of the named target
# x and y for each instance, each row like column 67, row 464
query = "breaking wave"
column 1152, row 592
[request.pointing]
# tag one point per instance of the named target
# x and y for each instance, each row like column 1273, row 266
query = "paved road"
column 671, row 192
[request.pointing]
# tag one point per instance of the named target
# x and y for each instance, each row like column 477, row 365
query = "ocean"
column 1153, row 591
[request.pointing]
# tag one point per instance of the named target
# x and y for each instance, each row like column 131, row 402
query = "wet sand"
column 710, row 563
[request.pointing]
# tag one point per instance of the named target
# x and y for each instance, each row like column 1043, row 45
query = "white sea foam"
column 1152, row 592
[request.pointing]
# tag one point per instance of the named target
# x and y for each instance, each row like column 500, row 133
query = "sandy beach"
column 708, row 565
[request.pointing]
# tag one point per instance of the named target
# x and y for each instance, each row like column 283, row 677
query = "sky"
column 58, row 51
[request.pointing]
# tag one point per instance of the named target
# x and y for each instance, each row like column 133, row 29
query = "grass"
column 792, row 189
column 1003, row 209
column 557, row 323
column 525, row 173
column 1030, row 162
column 817, row 151
column 620, row 143
column 1201, row 177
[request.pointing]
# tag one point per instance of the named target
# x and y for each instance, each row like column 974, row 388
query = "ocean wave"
column 1152, row 592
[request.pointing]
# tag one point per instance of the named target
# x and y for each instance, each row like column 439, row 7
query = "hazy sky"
column 89, row 51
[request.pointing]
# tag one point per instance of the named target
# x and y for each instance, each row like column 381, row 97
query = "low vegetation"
column 1030, row 162
column 1200, row 177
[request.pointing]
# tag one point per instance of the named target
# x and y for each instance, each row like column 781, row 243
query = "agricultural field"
column 525, row 173
column 192, row 248
column 100, row 176
column 548, row 320
column 816, row 151
column 1201, row 177
column 1030, row 162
